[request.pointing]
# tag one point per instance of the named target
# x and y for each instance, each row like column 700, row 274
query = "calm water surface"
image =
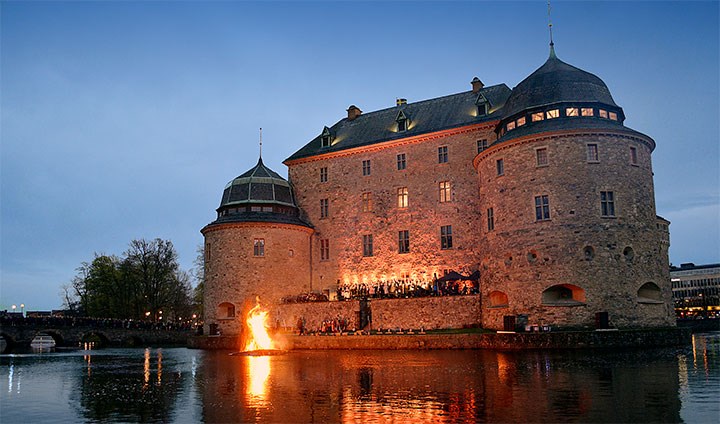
column 182, row 385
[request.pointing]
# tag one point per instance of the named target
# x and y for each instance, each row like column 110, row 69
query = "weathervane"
column 550, row 25
column 260, row 142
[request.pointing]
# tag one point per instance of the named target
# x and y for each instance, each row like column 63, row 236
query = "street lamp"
column 13, row 308
column 22, row 309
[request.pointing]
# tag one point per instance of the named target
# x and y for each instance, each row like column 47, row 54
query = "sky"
column 125, row 120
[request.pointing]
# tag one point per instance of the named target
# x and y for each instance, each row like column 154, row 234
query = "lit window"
column 367, row 245
column 323, row 175
column 442, row 154
column 592, row 153
column 511, row 126
column 259, row 247
column 500, row 165
column 607, row 203
column 586, row 111
column 633, row 156
column 401, row 164
column 482, row 145
column 445, row 192
column 521, row 121
column 324, row 249
column 324, row 208
column 613, row 116
column 572, row 111
column 404, row 241
column 541, row 156
column 366, row 167
column 491, row 219
column 538, row 116
column 367, row 203
column 555, row 113
column 446, row 237
column 542, row 208
column 402, row 197
column 603, row 113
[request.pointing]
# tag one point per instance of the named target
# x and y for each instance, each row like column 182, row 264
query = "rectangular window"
column 446, row 237
column 541, row 156
column 538, row 116
column 482, row 109
column 324, row 249
column 607, row 203
column 402, row 125
column 367, row 203
column 367, row 245
column 542, row 208
column 633, row 156
column 259, row 247
column 586, row 111
column 482, row 145
column 325, row 141
column 571, row 111
column 550, row 114
column 402, row 197
column 323, row 175
column 603, row 113
column 521, row 121
column 511, row 126
column 404, row 241
column 491, row 219
column 366, row 167
column 401, row 162
column 442, row 154
column 500, row 165
column 324, row 208
column 592, row 153
column 613, row 116
column 445, row 191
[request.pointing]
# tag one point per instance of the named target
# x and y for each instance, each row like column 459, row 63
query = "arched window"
column 649, row 293
column 563, row 295
column 498, row 299
column 226, row 310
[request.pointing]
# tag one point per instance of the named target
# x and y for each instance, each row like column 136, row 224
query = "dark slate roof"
column 426, row 116
column 555, row 82
column 567, row 123
column 269, row 217
column 258, row 185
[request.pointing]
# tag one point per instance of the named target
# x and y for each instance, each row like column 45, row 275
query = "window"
column 259, row 247
column 607, row 203
column 367, row 203
column 538, row 116
column 402, row 122
column 325, row 137
column 445, row 191
column 482, row 145
column 541, row 156
column 401, row 164
column 500, row 165
column 586, row 111
column 402, row 197
column 482, row 109
column 613, row 116
column 324, row 208
column 551, row 114
column 442, row 154
column 633, row 156
column 446, row 237
column 511, row 126
column 323, row 175
column 367, row 245
column 603, row 113
column 404, row 241
column 226, row 310
column 521, row 121
column 571, row 111
column 491, row 219
column 366, row 167
column 592, row 153
column 324, row 249
column 542, row 208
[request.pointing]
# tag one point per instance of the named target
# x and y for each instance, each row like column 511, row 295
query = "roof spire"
column 552, row 45
column 261, row 144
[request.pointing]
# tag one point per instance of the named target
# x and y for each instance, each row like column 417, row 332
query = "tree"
column 199, row 276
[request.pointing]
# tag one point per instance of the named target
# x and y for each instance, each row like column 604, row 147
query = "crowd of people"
column 406, row 289
column 338, row 324
column 61, row 321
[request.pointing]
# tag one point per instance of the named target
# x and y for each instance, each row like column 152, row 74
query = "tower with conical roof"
column 257, row 247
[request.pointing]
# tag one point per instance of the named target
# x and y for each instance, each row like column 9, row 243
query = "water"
column 189, row 386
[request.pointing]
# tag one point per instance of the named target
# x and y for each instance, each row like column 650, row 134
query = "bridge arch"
column 7, row 343
column 96, row 339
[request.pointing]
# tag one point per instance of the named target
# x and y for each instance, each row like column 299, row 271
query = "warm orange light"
column 258, row 337
column 259, row 371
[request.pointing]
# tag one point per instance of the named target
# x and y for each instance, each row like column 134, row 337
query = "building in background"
column 696, row 290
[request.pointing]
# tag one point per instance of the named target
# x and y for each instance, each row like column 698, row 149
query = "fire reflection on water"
column 147, row 370
column 258, row 371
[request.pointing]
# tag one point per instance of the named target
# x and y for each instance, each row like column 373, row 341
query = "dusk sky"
column 125, row 120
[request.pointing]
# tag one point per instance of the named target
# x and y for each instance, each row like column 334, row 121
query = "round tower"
column 257, row 247
column 570, row 237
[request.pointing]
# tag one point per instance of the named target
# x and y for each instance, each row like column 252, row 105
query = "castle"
column 538, row 202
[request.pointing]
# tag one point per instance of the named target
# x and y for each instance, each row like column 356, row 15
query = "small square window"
column 613, row 116
column 603, row 113
column 510, row 126
column 482, row 145
column 572, row 111
column 442, row 154
column 541, row 156
column 551, row 114
column 538, row 116
column 586, row 111
column 500, row 166
column 521, row 121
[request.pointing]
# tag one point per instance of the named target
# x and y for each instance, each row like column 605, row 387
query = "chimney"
column 353, row 112
column 399, row 102
column 477, row 85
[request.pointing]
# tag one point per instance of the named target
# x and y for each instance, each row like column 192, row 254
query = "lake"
column 187, row 386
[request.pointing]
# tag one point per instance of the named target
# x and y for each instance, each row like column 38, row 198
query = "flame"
column 258, row 337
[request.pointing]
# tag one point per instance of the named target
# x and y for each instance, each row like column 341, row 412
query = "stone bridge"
column 19, row 335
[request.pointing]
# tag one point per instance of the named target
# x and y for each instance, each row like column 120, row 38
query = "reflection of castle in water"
column 442, row 386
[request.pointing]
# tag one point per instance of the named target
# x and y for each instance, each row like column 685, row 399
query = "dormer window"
column 482, row 105
column 325, row 137
column 402, row 122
